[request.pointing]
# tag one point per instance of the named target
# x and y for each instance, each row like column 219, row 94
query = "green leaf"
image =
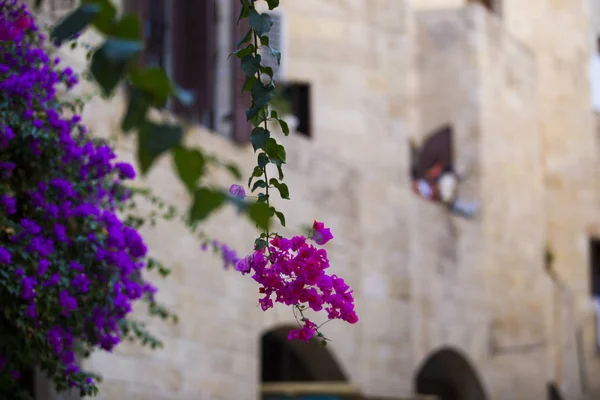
column 262, row 198
column 104, row 21
column 276, row 54
column 245, row 9
column 243, row 52
column 261, row 23
column 267, row 70
column 263, row 160
column 245, row 39
column 280, row 171
column 206, row 201
column 281, row 217
column 136, row 111
column 275, row 151
column 128, row 28
column 262, row 94
column 118, row 50
column 252, row 112
column 260, row 244
column 248, row 83
column 251, row 64
column 108, row 74
column 274, row 114
column 155, row 81
column 75, row 22
column 155, row 139
column 259, row 138
column 282, row 187
column 259, row 184
column 260, row 214
column 264, row 40
column 255, row 174
column 273, row 4
column 259, row 116
column 234, row 170
column 284, row 127
column 190, row 164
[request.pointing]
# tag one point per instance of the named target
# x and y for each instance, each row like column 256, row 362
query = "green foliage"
column 114, row 62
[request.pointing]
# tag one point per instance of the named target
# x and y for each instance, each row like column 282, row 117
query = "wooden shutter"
column 139, row 8
column 437, row 149
column 241, row 100
column 194, row 54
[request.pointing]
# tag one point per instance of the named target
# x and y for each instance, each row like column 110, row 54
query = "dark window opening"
column 181, row 39
column 595, row 267
column 449, row 376
column 553, row 392
column 595, row 284
column 298, row 97
column 154, row 29
column 491, row 5
column 295, row 361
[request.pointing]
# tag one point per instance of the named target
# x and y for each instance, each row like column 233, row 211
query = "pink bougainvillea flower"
column 293, row 272
column 304, row 333
column 237, row 191
column 321, row 235
column 22, row 23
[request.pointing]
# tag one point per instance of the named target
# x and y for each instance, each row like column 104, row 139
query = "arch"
column 553, row 392
column 449, row 375
column 286, row 360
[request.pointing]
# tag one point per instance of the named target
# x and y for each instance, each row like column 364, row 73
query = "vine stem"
column 255, row 36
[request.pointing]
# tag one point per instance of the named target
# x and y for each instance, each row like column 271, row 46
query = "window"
column 181, row 39
column 297, row 95
column 492, row 5
column 595, row 284
column 595, row 77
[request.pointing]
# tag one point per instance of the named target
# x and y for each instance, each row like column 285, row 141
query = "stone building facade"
column 442, row 300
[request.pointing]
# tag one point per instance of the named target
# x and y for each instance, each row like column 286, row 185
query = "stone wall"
column 482, row 283
column 515, row 91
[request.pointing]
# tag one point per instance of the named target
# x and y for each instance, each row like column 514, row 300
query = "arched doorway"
column 286, row 360
column 448, row 375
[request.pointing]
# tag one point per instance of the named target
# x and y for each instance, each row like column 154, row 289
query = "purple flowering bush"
column 70, row 266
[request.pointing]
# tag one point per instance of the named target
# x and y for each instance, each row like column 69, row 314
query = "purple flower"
column 60, row 231
column 9, row 204
column 6, row 135
column 30, row 226
column 81, row 283
column 237, row 191
column 321, row 235
column 54, row 337
column 31, row 311
column 42, row 267
column 126, row 170
column 5, row 257
column 28, row 285
column 76, row 266
column 6, row 169
column 67, row 303
column 53, row 281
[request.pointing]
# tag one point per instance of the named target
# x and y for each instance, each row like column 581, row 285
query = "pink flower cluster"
column 13, row 29
column 294, row 271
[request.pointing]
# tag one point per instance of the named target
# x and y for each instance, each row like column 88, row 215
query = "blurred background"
column 451, row 146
